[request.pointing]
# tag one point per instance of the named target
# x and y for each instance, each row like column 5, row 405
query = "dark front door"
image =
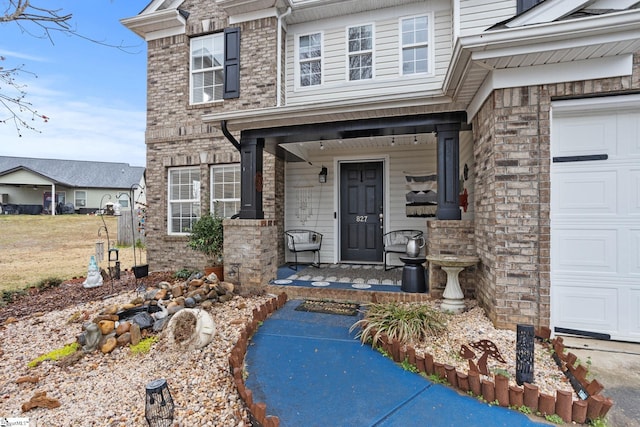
column 360, row 211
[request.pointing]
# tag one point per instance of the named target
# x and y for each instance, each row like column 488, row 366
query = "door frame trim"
column 337, row 161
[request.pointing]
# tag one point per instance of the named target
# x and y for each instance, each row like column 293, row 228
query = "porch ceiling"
column 294, row 142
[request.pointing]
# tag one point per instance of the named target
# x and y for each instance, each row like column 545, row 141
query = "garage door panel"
column 629, row 134
column 594, row 194
column 584, row 135
column 577, row 306
column 634, row 253
column 581, row 250
column 634, row 306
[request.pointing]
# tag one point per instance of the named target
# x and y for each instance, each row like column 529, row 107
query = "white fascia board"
column 612, row 4
column 589, row 69
column 253, row 16
column 619, row 24
column 157, row 24
column 548, row 11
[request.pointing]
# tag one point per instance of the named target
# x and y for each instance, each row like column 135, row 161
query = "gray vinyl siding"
column 478, row 15
column 387, row 78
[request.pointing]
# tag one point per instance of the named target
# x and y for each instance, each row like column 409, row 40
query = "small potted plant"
column 207, row 236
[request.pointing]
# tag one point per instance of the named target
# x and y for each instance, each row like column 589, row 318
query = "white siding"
column 301, row 177
column 388, row 80
column 478, row 15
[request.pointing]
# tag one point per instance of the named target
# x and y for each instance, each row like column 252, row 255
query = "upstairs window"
column 184, row 199
column 215, row 66
column 415, row 45
column 207, row 68
column 310, row 59
column 360, row 42
column 225, row 190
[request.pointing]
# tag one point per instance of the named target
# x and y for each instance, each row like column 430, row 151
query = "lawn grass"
column 37, row 247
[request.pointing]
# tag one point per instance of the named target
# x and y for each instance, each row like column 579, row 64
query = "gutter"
column 279, row 57
column 225, row 131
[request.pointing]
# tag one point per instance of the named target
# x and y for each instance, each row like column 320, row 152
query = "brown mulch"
column 71, row 292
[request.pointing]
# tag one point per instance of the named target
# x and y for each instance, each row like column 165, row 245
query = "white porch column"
column 53, row 199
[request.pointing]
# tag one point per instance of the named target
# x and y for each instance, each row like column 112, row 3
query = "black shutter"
column 231, row 63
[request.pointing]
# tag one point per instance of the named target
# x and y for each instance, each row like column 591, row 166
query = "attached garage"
column 595, row 217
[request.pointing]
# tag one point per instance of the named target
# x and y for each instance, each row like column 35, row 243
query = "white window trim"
column 75, row 198
column 348, row 54
column 296, row 70
column 430, row 47
column 169, row 200
column 211, row 174
column 191, row 71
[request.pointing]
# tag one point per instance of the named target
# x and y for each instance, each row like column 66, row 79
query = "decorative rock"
column 161, row 294
column 213, row 278
column 227, row 286
column 127, row 306
column 27, row 379
column 112, row 309
column 151, row 294
column 212, row 295
column 144, row 320
column 124, row 339
column 123, row 327
column 206, row 305
column 134, row 334
column 106, row 326
column 189, row 302
column 176, row 291
column 109, row 345
column 164, row 285
column 226, row 297
column 159, row 324
column 111, row 317
column 196, row 283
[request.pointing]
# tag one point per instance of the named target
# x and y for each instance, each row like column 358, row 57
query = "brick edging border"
column 563, row 405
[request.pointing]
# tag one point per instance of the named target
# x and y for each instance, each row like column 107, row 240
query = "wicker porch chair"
column 304, row 241
column 396, row 242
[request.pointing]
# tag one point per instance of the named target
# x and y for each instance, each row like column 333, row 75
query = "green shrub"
column 56, row 354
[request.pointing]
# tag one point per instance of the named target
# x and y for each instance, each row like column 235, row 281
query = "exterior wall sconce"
column 322, row 176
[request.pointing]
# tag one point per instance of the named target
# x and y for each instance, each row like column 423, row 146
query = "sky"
column 94, row 95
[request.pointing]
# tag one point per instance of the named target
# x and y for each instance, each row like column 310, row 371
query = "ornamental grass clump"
column 402, row 322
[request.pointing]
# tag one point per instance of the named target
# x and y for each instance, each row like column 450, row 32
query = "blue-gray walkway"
column 310, row 371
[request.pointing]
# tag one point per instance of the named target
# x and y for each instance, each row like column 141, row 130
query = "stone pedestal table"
column 453, row 265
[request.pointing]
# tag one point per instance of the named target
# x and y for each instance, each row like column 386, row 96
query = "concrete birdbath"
column 453, row 265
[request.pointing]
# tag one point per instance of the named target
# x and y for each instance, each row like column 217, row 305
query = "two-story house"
column 356, row 117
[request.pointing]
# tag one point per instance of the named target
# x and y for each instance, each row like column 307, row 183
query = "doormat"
column 329, row 307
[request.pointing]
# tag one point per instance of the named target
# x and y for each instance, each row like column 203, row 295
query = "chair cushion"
column 396, row 248
column 300, row 247
column 300, row 237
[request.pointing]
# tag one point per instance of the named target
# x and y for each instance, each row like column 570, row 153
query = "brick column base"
column 250, row 258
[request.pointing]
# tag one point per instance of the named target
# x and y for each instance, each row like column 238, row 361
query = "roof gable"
column 555, row 10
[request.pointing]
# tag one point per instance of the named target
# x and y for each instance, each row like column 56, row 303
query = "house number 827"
column 361, row 218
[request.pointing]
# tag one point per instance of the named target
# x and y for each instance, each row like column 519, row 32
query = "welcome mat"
column 329, row 307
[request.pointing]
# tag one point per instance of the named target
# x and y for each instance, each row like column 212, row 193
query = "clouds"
column 88, row 128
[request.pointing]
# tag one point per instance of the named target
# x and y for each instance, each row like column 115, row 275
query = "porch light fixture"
column 415, row 140
column 322, row 176
column 393, row 141
column 321, row 146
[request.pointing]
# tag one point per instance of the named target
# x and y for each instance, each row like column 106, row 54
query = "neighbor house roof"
column 76, row 173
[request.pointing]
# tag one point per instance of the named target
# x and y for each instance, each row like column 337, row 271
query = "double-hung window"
column 207, row 68
column 310, row 59
column 360, row 43
column 225, row 189
column 80, row 198
column 184, row 199
column 215, row 66
column 415, row 45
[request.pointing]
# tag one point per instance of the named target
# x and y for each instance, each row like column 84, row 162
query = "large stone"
column 196, row 283
column 109, row 345
column 227, row 286
column 144, row 320
column 135, row 334
column 124, row 339
column 161, row 294
column 159, row 324
column 101, row 317
column 106, row 326
column 176, row 291
column 40, row 400
column 123, row 327
column 112, row 309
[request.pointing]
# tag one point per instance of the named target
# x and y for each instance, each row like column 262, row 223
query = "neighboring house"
column 529, row 109
column 27, row 185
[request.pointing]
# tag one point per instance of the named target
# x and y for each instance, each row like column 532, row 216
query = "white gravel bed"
column 109, row 390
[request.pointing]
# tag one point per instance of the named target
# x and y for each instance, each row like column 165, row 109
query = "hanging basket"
column 141, row 270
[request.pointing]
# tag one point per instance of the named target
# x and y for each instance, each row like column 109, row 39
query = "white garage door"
column 595, row 217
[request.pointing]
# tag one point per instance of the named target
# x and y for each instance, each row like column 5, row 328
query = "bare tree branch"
column 38, row 22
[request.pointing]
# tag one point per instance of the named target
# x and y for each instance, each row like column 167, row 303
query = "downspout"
column 225, row 131
column 279, row 58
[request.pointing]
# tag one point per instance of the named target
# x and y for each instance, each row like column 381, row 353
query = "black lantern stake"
column 524, row 354
column 158, row 409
